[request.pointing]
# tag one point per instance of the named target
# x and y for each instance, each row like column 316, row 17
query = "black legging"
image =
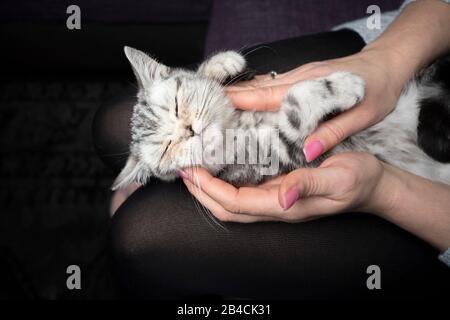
column 165, row 246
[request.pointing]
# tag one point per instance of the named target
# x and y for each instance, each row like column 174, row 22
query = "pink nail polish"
column 183, row 175
column 290, row 197
column 312, row 150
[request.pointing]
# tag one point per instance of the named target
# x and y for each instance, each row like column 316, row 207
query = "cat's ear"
column 133, row 171
column 144, row 67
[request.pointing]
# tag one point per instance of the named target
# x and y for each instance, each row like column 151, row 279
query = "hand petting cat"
column 384, row 83
column 409, row 44
column 344, row 181
column 351, row 180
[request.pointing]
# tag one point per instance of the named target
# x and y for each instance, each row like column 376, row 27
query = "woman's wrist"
column 413, row 203
column 385, row 193
column 414, row 39
column 392, row 63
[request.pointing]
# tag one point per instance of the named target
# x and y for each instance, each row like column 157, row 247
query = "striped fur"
column 182, row 118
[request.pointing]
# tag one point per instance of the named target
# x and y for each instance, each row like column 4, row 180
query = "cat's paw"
column 223, row 65
column 344, row 86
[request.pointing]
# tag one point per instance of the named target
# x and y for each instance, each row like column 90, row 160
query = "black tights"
column 165, row 247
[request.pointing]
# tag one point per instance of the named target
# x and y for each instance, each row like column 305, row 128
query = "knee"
column 111, row 132
column 141, row 249
column 148, row 241
column 126, row 248
column 127, row 236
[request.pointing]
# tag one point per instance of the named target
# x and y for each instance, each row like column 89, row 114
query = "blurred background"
column 54, row 190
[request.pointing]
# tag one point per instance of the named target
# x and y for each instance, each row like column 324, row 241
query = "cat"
column 180, row 114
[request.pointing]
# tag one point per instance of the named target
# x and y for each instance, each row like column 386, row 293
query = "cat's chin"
column 169, row 177
column 214, row 169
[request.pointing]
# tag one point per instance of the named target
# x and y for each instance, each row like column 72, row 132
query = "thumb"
column 261, row 99
column 332, row 132
column 305, row 182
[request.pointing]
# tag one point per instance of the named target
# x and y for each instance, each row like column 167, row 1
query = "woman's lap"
column 165, row 246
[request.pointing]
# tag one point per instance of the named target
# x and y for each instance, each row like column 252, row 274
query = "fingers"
column 272, row 182
column 311, row 208
column 304, row 72
column 260, row 99
column 260, row 204
column 334, row 131
column 258, row 82
column 308, row 70
column 265, row 94
column 305, row 183
column 262, row 201
column 217, row 210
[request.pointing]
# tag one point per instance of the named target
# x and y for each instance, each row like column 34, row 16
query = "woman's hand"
column 354, row 180
column 347, row 181
column 384, row 82
column 415, row 38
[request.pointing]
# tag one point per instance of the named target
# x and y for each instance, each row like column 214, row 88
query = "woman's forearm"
column 417, row 36
column 415, row 204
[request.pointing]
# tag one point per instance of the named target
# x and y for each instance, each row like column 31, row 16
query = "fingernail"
column 290, row 197
column 183, row 174
column 312, row 150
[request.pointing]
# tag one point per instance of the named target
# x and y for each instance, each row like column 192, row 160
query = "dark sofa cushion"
column 110, row 11
column 238, row 23
column 174, row 31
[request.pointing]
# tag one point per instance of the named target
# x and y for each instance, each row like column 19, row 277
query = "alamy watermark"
column 74, row 279
column 73, row 21
column 255, row 146
column 374, row 280
column 374, row 20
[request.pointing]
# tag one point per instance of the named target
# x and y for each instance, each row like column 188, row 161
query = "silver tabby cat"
column 181, row 114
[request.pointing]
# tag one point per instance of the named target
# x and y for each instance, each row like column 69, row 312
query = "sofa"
column 55, row 191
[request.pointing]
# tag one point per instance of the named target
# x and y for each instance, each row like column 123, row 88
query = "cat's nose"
column 189, row 131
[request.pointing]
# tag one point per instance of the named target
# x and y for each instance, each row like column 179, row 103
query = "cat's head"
column 177, row 116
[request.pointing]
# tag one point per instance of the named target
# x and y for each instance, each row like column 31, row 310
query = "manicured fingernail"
column 312, row 150
column 183, row 174
column 290, row 197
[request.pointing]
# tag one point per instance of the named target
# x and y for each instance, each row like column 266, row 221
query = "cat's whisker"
column 204, row 103
column 204, row 211
column 206, row 214
column 134, row 86
column 256, row 49
column 237, row 77
column 201, row 101
column 120, row 159
column 116, row 154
